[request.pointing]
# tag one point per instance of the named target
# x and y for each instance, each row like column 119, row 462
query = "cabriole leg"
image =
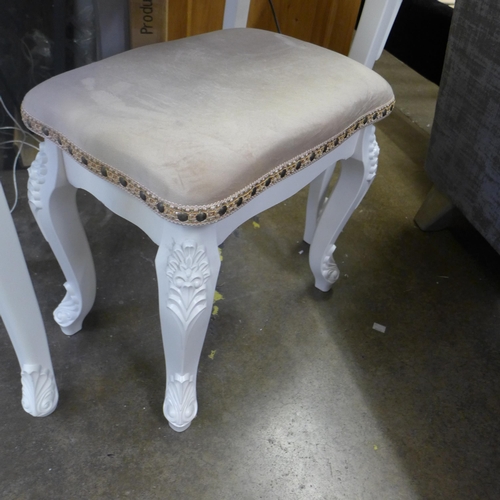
column 187, row 266
column 356, row 177
column 53, row 203
column 23, row 321
column 316, row 201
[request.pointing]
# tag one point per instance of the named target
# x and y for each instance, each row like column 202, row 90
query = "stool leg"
column 316, row 201
column 23, row 321
column 53, row 203
column 356, row 177
column 187, row 266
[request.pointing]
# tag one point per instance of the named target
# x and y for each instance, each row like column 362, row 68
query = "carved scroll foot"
column 68, row 312
column 329, row 269
column 40, row 394
column 180, row 405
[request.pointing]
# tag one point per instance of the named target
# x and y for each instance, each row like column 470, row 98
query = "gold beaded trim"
column 202, row 214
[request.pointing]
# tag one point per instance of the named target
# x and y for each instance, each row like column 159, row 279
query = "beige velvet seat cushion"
column 199, row 126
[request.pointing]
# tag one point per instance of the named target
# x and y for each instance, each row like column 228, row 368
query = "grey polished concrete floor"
column 299, row 397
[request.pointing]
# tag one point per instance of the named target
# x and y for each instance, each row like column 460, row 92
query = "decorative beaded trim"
column 202, row 214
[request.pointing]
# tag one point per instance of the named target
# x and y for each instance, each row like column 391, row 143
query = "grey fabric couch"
column 464, row 152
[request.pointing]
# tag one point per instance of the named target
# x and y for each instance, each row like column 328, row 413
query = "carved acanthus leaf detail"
column 188, row 270
column 69, row 309
column 37, row 173
column 40, row 394
column 373, row 152
column 180, row 402
column 329, row 268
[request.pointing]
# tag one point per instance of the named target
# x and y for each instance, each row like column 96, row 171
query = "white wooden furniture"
column 191, row 138
column 23, row 321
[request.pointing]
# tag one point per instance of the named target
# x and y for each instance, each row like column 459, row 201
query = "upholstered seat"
column 188, row 140
column 194, row 127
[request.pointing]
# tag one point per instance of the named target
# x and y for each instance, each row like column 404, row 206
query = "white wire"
column 21, row 144
column 9, row 113
column 9, row 128
column 14, row 168
column 18, row 141
column 16, row 122
column 14, row 179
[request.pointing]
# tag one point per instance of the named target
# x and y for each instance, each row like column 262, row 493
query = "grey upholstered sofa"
column 464, row 152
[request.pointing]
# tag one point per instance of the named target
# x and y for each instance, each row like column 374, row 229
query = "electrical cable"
column 14, row 179
column 25, row 133
column 18, row 141
column 274, row 16
column 21, row 143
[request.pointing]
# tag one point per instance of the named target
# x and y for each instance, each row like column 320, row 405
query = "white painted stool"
column 21, row 316
column 189, row 139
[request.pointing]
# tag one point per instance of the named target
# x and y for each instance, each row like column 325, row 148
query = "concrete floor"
column 302, row 399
